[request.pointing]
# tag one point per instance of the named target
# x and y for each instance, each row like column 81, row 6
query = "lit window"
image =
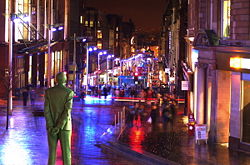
column 81, row 19
column 226, row 18
column 99, row 34
column 117, row 29
column 86, row 23
column 99, row 45
column 21, row 30
column 91, row 24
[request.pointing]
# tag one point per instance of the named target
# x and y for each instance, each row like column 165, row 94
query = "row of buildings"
column 39, row 38
column 205, row 44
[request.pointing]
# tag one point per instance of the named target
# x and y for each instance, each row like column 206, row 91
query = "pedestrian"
column 32, row 97
column 105, row 92
column 57, row 112
column 82, row 95
column 153, row 113
column 25, row 97
column 168, row 116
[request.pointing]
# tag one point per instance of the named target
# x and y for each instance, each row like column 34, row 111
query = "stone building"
column 173, row 45
column 217, row 68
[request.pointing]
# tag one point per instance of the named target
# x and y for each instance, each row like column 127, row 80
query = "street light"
column 108, row 57
column 12, row 18
column 88, row 49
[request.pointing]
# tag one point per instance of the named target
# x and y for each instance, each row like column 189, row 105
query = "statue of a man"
column 57, row 112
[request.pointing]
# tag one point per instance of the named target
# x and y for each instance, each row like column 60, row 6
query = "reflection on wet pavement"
column 25, row 143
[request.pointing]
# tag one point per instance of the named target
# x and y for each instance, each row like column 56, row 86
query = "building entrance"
column 246, row 110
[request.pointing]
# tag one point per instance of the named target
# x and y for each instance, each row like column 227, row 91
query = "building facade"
column 173, row 45
column 218, row 69
column 36, row 31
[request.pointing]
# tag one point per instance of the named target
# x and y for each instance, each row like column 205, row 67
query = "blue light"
column 53, row 29
column 60, row 28
column 90, row 49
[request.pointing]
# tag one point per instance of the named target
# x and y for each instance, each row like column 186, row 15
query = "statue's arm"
column 67, row 111
column 47, row 113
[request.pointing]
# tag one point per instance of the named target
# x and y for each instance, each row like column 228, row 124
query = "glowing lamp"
column 235, row 62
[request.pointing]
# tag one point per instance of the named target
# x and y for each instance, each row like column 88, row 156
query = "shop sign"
column 239, row 63
column 200, row 132
column 184, row 85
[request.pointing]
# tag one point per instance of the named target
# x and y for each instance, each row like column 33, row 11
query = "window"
column 99, row 34
column 21, row 30
column 81, row 19
column 226, row 18
column 246, row 107
column 99, row 44
column 91, row 24
column 86, row 23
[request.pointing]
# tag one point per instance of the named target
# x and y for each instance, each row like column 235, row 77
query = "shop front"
column 221, row 94
column 237, row 62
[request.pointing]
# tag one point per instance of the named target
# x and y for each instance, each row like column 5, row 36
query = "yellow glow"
column 235, row 62
column 30, row 70
column 99, row 45
column 226, row 18
column 239, row 63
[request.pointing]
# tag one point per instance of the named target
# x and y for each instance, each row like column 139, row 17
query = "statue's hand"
column 54, row 131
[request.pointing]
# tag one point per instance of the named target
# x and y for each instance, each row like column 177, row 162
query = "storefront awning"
column 40, row 47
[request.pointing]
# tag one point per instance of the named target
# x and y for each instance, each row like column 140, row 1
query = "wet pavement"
column 25, row 142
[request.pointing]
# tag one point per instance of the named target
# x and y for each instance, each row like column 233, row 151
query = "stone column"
column 199, row 92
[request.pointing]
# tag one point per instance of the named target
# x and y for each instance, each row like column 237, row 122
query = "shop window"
column 225, row 18
column 246, row 107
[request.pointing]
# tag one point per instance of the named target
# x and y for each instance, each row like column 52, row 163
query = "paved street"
column 25, row 143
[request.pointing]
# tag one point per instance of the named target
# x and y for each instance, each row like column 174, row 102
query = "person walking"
column 25, row 97
column 57, row 112
column 154, row 113
column 32, row 97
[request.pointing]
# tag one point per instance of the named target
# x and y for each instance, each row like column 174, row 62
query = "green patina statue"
column 57, row 112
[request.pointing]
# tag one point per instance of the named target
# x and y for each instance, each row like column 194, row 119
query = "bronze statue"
column 57, row 112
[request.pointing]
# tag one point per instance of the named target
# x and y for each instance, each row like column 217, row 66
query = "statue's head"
column 61, row 78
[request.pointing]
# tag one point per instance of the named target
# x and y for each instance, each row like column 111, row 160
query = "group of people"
column 160, row 110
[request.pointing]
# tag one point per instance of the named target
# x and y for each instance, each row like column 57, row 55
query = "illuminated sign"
column 239, row 63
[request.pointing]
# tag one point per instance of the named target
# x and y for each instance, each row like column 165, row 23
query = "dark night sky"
column 146, row 14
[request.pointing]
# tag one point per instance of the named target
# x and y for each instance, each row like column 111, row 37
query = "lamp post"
column 9, row 75
column 49, row 58
column 87, row 66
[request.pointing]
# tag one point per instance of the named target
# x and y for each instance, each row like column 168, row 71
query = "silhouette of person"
column 25, row 97
column 57, row 112
column 32, row 97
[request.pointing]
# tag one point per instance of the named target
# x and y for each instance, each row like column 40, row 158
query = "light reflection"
column 14, row 153
column 136, row 136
